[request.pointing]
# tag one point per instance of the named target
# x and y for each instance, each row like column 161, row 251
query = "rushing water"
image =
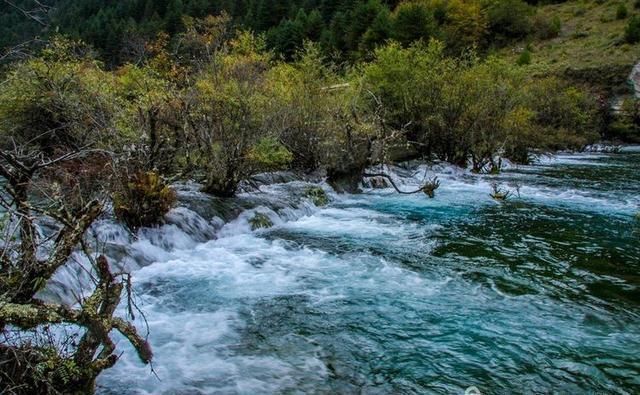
column 382, row 293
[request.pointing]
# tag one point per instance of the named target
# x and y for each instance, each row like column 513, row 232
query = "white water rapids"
column 384, row 293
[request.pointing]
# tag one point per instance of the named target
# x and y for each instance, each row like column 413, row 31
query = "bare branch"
column 141, row 345
column 33, row 14
column 428, row 188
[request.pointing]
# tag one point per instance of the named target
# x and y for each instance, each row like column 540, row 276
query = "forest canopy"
column 351, row 28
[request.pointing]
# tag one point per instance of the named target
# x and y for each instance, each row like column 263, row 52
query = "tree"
column 56, row 123
column 379, row 31
column 270, row 14
column 360, row 19
column 224, row 114
column 412, row 21
column 632, row 30
column 173, row 16
column 65, row 93
column 314, row 26
column 39, row 366
column 465, row 25
column 409, row 85
column 287, row 38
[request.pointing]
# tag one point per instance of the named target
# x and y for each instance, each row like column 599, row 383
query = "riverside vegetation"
column 249, row 89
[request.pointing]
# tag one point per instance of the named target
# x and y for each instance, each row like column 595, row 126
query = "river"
column 381, row 293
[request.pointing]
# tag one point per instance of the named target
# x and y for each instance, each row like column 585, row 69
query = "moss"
column 317, row 195
column 260, row 221
column 24, row 315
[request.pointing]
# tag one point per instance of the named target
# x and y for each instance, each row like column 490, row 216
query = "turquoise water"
column 382, row 293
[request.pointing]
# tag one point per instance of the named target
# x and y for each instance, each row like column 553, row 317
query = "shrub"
column 632, row 31
column 317, row 195
column 621, row 11
column 547, row 29
column 260, row 221
column 143, row 200
column 464, row 24
column 626, row 125
column 565, row 116
column 412, row 21
column 269, row 154
column 226, row 114
column 524, row 58
column 509, row 18
column 57, row 102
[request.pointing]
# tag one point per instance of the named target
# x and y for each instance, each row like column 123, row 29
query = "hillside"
column 588, row 43
column 590, row 46
column 584, row 42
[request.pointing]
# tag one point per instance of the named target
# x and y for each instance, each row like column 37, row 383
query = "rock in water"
column 379, row 183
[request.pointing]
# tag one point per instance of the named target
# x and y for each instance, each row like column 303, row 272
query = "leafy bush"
column 58, row 101
column 317, row 195
column 509, row 19
column 524, row 58
column 410, row 84
column 270, row 154
column 412, row 21
column 310, row 109
column 626, row 125
column 464, row 24
column 565, row 116
column 226, row 113
column 142, row 200
column 260, row 221
column 547, row 29
column 632, row 31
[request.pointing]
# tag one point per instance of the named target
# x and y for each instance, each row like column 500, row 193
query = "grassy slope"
column 590, row 46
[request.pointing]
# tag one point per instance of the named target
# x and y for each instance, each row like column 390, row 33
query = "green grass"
column 590, row 43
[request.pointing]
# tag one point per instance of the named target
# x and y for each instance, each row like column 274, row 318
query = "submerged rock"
column 377, row 183
column 345, row 181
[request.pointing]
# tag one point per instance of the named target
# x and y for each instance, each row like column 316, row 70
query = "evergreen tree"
column 379, row 31
column 287, row 38
column 412, row 21
column 315, row 25
column 173, row 16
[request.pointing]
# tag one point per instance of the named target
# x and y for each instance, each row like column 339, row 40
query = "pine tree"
column 173, row 16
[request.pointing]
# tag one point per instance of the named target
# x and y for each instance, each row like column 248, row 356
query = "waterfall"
column 197, row 218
